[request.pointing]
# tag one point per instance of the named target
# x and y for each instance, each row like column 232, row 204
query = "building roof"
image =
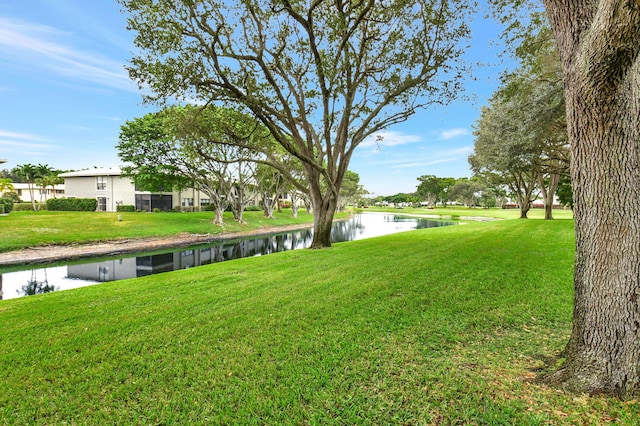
column 104, row 171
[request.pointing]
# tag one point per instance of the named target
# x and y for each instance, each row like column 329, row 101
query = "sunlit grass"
column 461, row 212
column 440, row 326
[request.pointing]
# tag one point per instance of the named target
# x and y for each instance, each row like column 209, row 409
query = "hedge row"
column 6, row 205
column 28, row 207
column 72, row 204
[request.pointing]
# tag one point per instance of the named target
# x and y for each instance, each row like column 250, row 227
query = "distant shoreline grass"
column 446, row 325
column 28, row 229
column 459, row 211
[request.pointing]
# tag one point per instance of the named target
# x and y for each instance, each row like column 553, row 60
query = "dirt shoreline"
column 51, row 253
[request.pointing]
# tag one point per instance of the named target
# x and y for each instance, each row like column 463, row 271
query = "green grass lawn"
column 460, row 211
column 27, row 229
column 446, row 325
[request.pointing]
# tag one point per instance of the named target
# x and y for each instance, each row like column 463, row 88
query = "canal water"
column 63, row 276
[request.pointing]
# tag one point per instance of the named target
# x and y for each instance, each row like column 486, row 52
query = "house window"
column 187, row 202
column 205, row 201
column 101, row 183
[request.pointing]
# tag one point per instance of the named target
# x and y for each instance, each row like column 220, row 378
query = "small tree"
column 565, row 192
column 48, row 180
column 351, row 190
column 466, row 191
column 429, row 189
column 271, row 185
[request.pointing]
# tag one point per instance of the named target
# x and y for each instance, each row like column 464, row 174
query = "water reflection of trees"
column 267, row 244
column 35, row 286
column 347, row 230
column 360, row 226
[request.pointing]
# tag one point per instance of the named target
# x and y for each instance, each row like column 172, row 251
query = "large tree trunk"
column 548, row 192
column 324, row 208
column 599, row 43
column 269, row 203
column 218, row 212
column 322, row 223
column 524, row 203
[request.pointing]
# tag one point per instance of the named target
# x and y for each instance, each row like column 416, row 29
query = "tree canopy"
column 321, row 76
column 190, row 146
column 521, row 137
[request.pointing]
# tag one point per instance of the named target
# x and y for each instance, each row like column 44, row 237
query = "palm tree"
column 49, row 180
column 29, row 174
column 6, row 185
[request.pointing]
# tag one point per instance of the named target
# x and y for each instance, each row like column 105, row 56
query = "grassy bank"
column 28, row 229
column 439, row 326
column 459, row 211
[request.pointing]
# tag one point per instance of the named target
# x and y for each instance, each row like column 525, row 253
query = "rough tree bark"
column 322, row 222
column 599, row 44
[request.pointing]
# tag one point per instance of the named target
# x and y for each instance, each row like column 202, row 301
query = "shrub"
column 72, row 204
column 28, row 207
column 253, row 209
column 125, row 208
column 13, row 196
column 6, row 205
column 156, row 210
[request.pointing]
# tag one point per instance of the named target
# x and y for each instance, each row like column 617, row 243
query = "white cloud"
column 466, row 150
column 453, row 133
column 16, row 135
column 21, row 145
column 22, row 142
column 424, row 163
column 390, row 138
column 45, row 48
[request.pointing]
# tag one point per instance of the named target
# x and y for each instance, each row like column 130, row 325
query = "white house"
column 111, row 189
column 40, row 195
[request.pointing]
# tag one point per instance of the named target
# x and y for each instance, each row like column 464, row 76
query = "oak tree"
column 320, row 75
column 599, row 47
column 598, row 43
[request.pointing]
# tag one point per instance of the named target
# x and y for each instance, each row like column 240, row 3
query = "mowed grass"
column 439, row 326
column 461, row 211
column 27, row 229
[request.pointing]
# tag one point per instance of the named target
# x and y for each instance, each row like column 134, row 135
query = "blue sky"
column 64, row 94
